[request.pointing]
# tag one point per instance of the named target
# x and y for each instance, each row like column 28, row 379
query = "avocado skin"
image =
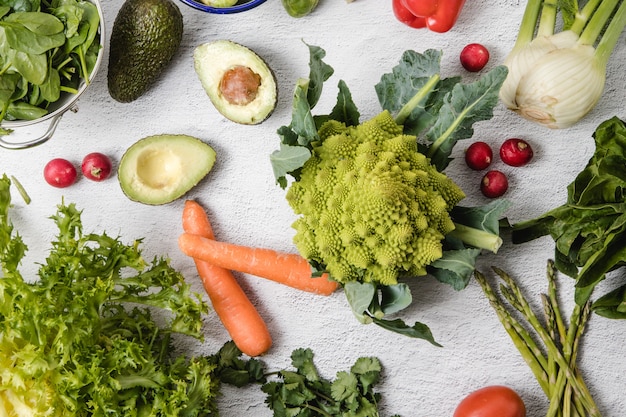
column 145, row 37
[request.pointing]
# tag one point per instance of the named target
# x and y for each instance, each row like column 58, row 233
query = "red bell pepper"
column 405, row 16
column 437, row 15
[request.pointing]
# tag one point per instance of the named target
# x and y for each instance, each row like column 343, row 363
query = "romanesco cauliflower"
column 371, row 207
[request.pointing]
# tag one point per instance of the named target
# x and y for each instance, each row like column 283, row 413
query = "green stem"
column 583, row 16
column 318, row 410
column 419, row 97
column 529, row 24
column 547, row 20
column 476, row 237
column 598, row 21
column 609, row 39
column 554, row 302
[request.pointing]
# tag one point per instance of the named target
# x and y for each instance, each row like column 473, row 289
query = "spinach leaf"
column 51, row 49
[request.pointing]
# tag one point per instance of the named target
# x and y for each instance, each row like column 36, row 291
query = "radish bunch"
column 61, row 173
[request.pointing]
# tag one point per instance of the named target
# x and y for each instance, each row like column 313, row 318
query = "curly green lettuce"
column 81, row 340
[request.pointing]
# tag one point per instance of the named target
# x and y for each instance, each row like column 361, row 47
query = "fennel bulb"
column 555, row 79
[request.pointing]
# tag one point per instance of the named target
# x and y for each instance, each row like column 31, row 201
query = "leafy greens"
column 81, row 340
column 438, row 112
column 46, row 50
column 303, row 392
column 589, row 229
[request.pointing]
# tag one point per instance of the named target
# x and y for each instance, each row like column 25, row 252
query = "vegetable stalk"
column 556, row 78
column 549, row 347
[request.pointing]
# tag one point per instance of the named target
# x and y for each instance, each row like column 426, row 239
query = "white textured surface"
column 363, row 40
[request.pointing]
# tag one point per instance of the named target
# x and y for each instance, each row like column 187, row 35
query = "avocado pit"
column 240, row 85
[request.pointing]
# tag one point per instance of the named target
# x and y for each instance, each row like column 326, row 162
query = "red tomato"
column 491, row 401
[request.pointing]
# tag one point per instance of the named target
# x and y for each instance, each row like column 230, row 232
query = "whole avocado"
column 145, row 36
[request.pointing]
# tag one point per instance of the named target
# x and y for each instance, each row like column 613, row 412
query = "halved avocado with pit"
column 239, row 83
column 159, row 169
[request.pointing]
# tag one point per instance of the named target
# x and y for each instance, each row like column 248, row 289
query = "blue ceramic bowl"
column 241, row 6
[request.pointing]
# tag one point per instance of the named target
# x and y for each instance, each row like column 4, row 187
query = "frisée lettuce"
column 81, row 340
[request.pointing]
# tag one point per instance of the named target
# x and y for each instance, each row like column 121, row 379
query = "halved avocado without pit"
column 159, row 169
column 239, row 83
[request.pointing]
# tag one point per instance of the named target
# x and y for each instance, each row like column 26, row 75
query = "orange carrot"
column 286, row 268
column 238, row 315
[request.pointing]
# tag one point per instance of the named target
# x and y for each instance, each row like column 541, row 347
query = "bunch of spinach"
column 46, row 50
column 438, row 112
column 589, row 229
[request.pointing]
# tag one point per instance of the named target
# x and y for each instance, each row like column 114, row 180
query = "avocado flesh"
column 162, row 168
column 146, row 35
column 213, row 60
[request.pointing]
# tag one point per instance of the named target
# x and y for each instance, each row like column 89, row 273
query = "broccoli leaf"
column 465, row 105
column 288, row 160
column 486, row 217
column 302, row 122
column 395, row 298
column 406, row 79
column 318, row 74
column 418, row 330
column 345, row 110
column 455, row 267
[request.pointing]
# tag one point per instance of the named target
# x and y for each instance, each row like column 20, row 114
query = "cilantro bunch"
column 81, row 339
column 303, row 392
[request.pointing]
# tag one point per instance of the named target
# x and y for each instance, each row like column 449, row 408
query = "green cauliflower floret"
column 371, row 207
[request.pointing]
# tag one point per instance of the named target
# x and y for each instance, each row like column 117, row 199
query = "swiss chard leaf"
column 589, row 230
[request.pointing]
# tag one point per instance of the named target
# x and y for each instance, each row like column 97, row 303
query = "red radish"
column 516, row 152
column 60, row 173
column 474, row 57
column 494, row 184
column 96, row 166
column 478, row 156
